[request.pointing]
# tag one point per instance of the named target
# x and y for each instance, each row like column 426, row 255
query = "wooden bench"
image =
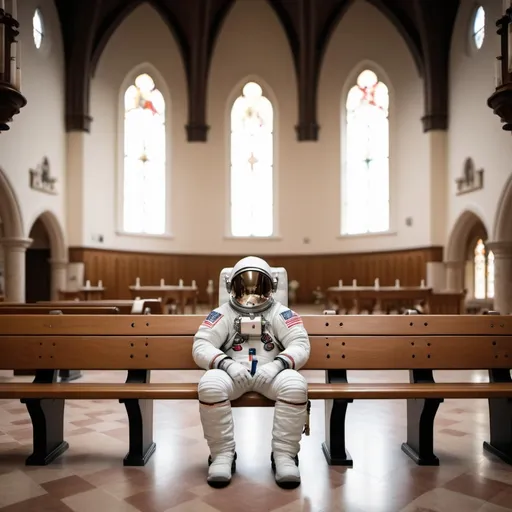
column 419, row 343
column 125, row 307
column 25, row 309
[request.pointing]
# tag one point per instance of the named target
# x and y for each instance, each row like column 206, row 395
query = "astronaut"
column 252, row 343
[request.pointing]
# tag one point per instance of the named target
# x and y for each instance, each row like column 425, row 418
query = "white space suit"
column 252, row 343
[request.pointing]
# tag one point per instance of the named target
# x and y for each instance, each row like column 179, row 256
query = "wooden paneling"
column 118, row 269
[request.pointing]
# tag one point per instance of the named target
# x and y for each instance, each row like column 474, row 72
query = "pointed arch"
column 10, row 211
column 468, row 228
column 56, row 235
column 502, row 229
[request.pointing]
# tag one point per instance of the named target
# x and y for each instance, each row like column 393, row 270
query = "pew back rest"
column 372, row 342
column 45, row 310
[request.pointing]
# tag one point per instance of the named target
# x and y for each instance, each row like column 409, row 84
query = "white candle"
column 397, row 283
column 340, row 284
column 87, row 283
column 18, row 66
column 377, row 283
column 12, row 77
column 510, row 47
column 162, row 283
column 354, row 282
column 181, row 283
column 193, row 283
column 14, row 12
column 100, row 284
column 137, row 282
column 497, row 72
column 422, row 283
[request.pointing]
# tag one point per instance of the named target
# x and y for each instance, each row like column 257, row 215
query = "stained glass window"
column 37, row 28
column 252, row 162
column 365, row 177
column 484, row 272
column 479, row 27
column 144, row 158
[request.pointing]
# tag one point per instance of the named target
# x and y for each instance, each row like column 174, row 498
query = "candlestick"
column 2, row 48
column 509, row 34
column 12, row 77
column 497, row 72
column 18, row 66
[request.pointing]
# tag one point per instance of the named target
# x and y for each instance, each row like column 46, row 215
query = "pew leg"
column 47, row 417
column 421, row 414
column 500, row 421
column 420, row 431
column 333, row 447
column 140, row 421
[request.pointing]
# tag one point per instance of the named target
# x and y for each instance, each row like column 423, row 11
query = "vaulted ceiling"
column 425, row 25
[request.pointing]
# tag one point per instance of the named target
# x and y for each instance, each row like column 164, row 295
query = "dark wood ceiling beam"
column 78, row 23
column 435, row 26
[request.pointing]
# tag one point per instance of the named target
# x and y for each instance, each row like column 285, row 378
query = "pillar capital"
column 500, row 249
column 17, row 243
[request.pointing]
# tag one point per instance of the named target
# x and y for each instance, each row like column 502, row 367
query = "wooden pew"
column 419, row 343
column 24, row 309
column 125, row 307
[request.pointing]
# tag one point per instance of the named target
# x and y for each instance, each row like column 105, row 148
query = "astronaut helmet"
column 251, row 285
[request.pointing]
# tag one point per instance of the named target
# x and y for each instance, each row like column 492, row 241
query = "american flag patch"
column 212, row 319
column 291, row 318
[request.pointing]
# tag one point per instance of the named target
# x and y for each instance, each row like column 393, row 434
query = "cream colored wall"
column 474, row 130
column 253, row 45
column 38, row 130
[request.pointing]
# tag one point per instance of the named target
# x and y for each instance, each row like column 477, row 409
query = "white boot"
column 221, row 469
column 218, row 430
column 285, row 467
column 290, row 415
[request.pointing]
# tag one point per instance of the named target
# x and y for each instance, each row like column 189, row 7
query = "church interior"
column 360, row 147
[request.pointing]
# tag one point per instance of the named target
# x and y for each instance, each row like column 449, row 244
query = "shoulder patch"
column 212, row 319
column 291, row 318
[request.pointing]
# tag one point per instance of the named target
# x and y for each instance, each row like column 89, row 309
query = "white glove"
column 267, row 373
column 240, row 374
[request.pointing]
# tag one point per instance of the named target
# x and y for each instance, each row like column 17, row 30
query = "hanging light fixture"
column 501, row 100
column 11, row 99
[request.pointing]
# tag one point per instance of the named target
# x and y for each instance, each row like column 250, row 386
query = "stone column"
column 454, row 275
column 59, row 277
column 14, row 263
column 502, row 276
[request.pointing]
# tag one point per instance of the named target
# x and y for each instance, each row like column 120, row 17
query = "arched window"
column 252, row 162
column 479, row 27
column 144, row 208
column 365, row 176
column 484, row 272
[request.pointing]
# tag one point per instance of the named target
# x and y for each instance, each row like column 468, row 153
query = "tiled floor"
column 90, row 476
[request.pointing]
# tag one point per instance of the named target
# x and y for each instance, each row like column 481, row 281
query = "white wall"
column 474, row 130
column 38, row 130
column 253, row 45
